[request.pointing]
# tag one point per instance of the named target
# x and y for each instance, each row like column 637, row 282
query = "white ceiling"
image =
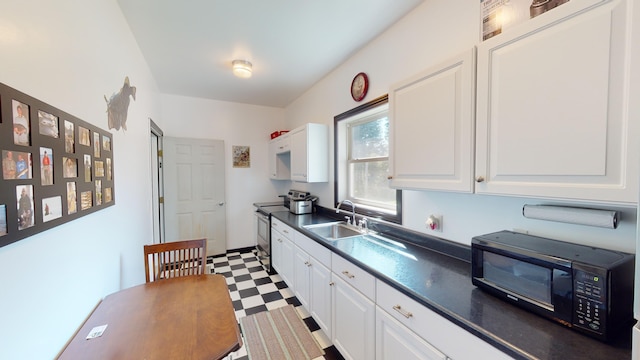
column 189, row 44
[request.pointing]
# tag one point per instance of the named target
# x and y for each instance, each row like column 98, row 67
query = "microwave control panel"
column 589, row 306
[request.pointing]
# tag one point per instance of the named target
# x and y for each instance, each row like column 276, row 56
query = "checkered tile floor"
column 254, row 290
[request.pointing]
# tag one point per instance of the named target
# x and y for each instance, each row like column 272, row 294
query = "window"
column 362, row 161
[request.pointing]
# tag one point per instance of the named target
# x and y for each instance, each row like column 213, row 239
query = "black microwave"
column 585, row 288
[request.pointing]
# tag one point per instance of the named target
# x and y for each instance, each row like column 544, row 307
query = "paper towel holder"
column 572, row 215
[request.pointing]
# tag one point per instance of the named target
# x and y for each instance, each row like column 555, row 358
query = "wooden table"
column 190, row 317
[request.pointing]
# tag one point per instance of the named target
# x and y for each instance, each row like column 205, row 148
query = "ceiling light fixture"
column 242, row 68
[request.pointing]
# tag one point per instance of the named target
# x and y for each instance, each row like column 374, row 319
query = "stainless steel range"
column 263, row 233
column 263, row 216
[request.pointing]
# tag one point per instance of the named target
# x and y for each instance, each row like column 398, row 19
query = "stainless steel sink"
column 334, row 230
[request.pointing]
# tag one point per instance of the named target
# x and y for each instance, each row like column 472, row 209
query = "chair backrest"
column 174, row 259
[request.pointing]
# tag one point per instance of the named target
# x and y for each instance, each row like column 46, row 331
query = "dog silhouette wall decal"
column 118, row 105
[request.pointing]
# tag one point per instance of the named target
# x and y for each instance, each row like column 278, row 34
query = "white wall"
column 433, row 32
column 236, row 124
column 70, row 54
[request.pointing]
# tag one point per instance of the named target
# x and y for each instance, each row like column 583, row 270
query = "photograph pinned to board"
column 106, row 143
column 21, row 127
column 87, row 168
column 108, row 160
column 241, row 156
column 86, row 200
column 99, row 168
column 51, row 208
column 69, row 137
column 48, row 124
column 72, row 198
column 98, row 192
column 70, row 167
column 96, row 144
column 16, row 165
column 24, row 197
column 3, row 220
column 46, row 166
column 85, row 138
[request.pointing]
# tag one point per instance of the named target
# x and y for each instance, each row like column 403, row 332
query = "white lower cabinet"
column 320, row 296
column 313, row 279
column 287, row 270
column 438, row 332
column 282, row 250
column 396, row 341
column 301, row 277
column 353, row 322
column 282, row 258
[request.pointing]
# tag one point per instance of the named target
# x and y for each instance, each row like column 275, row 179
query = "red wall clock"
column 359, row 86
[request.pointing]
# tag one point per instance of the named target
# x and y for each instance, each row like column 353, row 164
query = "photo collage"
column 55, row 167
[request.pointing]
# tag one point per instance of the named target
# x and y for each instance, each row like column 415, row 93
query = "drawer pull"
column 285, row 231
column 404, row 313
column 307, row 263
column 348, row 274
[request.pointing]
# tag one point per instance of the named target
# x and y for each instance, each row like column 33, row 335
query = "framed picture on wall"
column 42, row 166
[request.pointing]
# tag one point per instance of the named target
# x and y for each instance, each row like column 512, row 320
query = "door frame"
column 157, row 182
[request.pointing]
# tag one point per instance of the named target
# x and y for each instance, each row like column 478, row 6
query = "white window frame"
column 343, row 123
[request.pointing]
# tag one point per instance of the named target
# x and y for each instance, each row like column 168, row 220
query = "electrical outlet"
column 434, row 223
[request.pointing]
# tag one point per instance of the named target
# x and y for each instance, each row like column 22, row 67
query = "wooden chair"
column 174, row 259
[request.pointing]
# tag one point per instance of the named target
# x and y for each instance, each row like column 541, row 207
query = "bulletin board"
column 55, row 167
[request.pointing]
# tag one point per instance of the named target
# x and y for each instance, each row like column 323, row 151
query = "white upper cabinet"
column 310, row 153
column 432, row 127
column 280, row 158
column 552, row 107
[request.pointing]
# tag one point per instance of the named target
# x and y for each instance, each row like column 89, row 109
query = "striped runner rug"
column 278, row 334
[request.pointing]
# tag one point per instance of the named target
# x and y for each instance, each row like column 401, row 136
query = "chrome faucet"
column 353, row 210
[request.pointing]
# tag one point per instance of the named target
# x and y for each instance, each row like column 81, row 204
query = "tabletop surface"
column 189, row 317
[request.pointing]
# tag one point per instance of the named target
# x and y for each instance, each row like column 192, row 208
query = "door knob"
column 220, row 203
column 480, row 179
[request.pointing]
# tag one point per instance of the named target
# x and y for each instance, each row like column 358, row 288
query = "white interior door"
column 195, row 191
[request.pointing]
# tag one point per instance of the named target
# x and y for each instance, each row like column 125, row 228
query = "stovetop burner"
column 268, row 207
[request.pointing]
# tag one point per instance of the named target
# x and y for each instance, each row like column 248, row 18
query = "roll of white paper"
column 572, row 215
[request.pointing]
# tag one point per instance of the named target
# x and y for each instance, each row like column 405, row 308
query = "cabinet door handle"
column 307, row 263
column 479, row 179
column 279, row 240
column 348, row 274
column 390, row 177
column 403, row 312
column 331, row 283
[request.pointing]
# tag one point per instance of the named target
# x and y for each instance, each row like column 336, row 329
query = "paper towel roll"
column 572, row 215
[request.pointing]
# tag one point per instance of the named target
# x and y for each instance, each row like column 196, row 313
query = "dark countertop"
column 437, row 273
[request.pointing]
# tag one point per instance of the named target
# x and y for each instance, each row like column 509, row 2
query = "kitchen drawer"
column 354, row 276
column 432, row 327
column 284, row 229
column 311, row 247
